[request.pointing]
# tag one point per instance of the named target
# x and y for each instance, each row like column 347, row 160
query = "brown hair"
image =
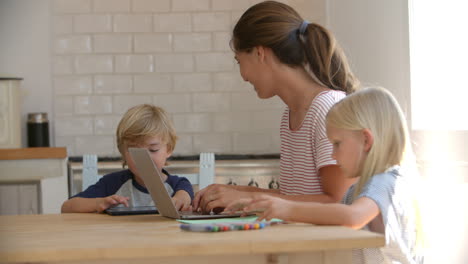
column 277, row 26
column 142, row 122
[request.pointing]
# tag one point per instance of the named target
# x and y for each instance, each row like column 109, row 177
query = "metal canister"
column 38, row 130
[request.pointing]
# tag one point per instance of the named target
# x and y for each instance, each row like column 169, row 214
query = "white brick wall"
column 92, row 23
column 108, row 43
column 155, row 83
column 112, row 84
column 110, row 55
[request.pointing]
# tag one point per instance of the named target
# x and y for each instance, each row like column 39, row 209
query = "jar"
column 38, row 130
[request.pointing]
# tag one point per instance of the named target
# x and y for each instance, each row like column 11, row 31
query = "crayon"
column 221, row 227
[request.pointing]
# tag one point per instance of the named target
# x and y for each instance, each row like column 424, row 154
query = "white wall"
column 374, row 35
column 85, row 62
column 25, row 53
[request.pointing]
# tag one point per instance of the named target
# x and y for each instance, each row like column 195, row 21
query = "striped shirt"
column 306, row 150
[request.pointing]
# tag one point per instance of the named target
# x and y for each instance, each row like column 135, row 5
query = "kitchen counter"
column 239, row 171
column 42, row 170
column 33, row 153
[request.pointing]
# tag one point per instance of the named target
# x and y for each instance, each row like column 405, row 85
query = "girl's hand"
column 237, row 205
column 269, row 207
column 110, row 201
column 182, row 201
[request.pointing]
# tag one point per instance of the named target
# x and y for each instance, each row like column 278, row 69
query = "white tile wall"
column 151, row 6
column 211, row 102
column 192, row 82
column 106, row 124
column 190, row 5
column 72, row 6
column 93, row 64
column 134, row 63
column 74, row 84
column 112, row 84
column 174, row 102
column 174, row 63
column 147, row 43
column 110, row 55
column 111, row 6
column 152, row 83
column 73, row 44
column 100, row 145
column 92, row 23
column 212, row 142
column 132, row 23
column 172, row 22
column 122, row 103
column 109, row 43
column 93, row 104
column 213, row 21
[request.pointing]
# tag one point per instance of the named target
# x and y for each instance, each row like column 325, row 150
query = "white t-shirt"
column 306, row 150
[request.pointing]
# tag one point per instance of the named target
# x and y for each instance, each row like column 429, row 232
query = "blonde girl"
column 370, row 142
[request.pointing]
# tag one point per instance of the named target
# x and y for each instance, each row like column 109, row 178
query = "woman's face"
column 158, row 152
column 254, row 70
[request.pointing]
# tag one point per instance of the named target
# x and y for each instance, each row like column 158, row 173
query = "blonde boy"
column 143, row 126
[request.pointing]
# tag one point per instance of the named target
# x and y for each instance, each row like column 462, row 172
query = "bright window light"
column 439, row 64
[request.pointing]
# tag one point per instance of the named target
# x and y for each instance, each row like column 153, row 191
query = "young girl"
column 143, row 126
column 283, row 55
column 370, row 142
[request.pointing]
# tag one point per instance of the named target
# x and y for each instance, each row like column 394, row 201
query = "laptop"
column 151, row 175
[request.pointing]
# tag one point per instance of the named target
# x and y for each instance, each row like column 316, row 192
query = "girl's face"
column 350, row 148
column 158, row 152
column 253, row 70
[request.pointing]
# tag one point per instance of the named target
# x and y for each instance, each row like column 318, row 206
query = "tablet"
column 136, row 210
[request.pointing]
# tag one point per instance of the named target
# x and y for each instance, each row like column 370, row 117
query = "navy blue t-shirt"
column 109, row 184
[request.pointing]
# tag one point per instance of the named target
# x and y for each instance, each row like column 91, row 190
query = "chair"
column 206, row 174
column 203, row 178
column 89, row 175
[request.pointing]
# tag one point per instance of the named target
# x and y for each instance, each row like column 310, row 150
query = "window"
column 439, row 64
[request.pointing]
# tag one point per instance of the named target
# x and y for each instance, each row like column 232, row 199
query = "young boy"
column 142, row 126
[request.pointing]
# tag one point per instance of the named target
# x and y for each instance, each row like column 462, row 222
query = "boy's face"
column 158, row 152
column 350, row 149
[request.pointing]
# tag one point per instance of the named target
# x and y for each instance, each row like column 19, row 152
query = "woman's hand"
column 110, row 201
column 217, row 196
column 182, row 201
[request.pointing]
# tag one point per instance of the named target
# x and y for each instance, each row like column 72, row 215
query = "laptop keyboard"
column 191, row 213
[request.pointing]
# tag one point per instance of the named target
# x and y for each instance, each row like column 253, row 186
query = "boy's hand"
column 182, row 201
column 110, row 201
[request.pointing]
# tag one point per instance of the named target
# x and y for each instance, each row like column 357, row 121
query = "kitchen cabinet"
column 33, row 180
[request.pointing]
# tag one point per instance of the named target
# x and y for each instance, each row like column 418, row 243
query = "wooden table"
column 98, row 238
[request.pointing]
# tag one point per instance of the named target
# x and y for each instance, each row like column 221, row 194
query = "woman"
column 283, row 55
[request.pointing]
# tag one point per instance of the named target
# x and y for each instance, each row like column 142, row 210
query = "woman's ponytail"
column 326, row 60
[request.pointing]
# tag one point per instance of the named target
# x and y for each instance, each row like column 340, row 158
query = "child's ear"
column 368, row 139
